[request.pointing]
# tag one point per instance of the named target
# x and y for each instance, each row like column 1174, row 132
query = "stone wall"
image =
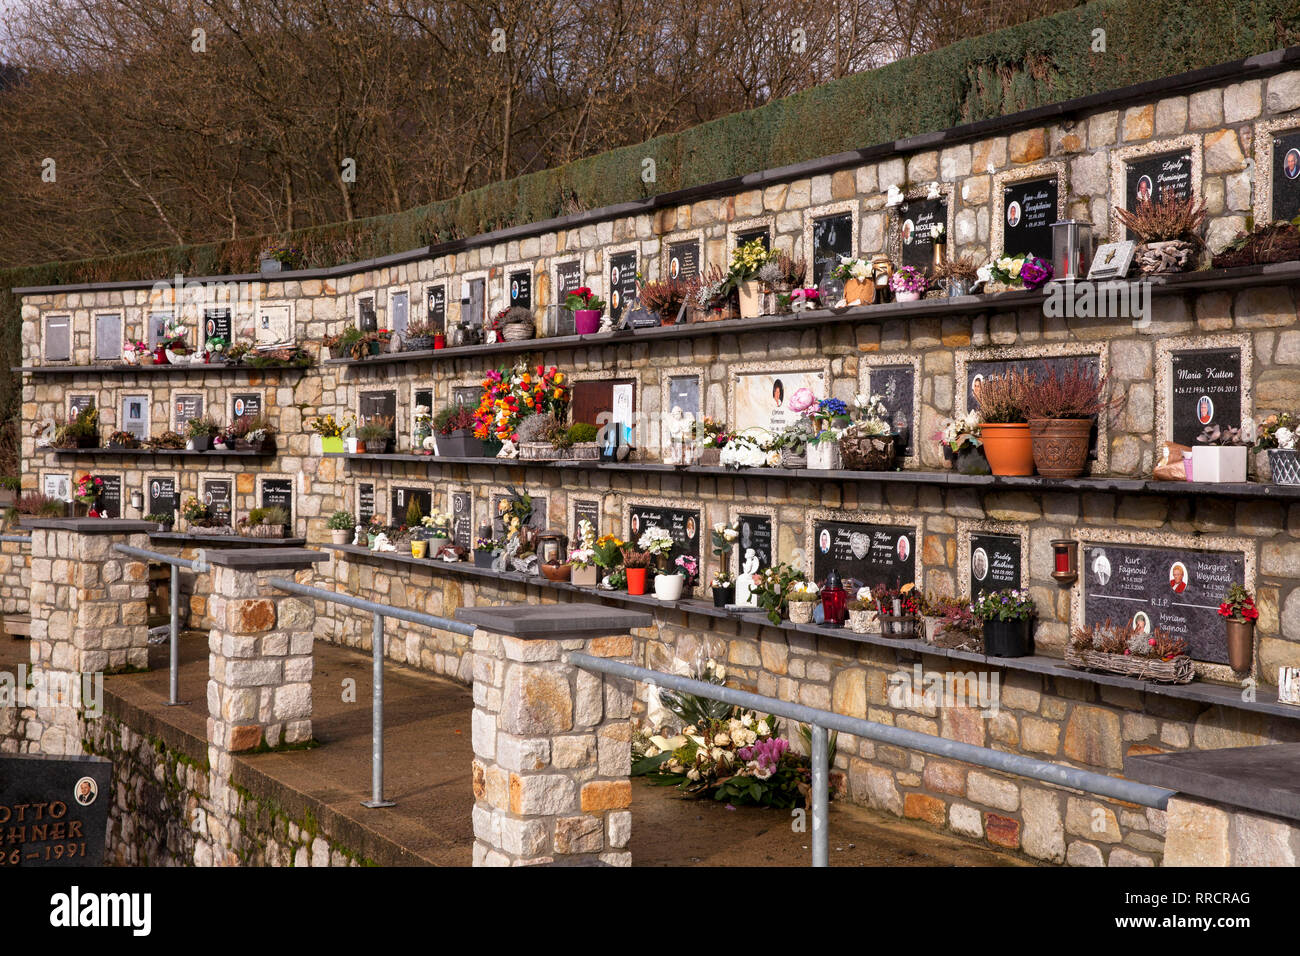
column 15, row 578
column 1202, row 833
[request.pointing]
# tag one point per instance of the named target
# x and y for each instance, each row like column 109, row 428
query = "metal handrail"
column 199, row 566
column 17, row 538
column 380, row 611
column 821, row 721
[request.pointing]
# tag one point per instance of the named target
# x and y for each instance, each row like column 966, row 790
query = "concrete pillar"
column 88, row 617
column 552, row 742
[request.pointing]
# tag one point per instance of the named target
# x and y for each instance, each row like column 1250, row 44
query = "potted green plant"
column 485, row 550
column 1061, row 410
column 199, row 432
column 1007, row 616
column 164, row 519
column 346, row 344
column 195, row 513
column 1277, row 449
column 82, row 431
column 418, row 337
column 962, row 448
column 773, row 588
column 266, row 522
column 121, row 439
column 330, row 432
column 374, row 434
column 1240, row 614
column 454, row 425
column 747, row 260
column 664, row 298
column 801, row 598
column 341, row 525
column 587, row 308
column 1004, row 425
column 582, row 444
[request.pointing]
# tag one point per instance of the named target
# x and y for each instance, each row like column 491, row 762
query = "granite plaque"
column 365, row 502
column 762, row 234
column 436, row 296
column 246, row 403
column 917, row 218
column 869, row 554
column 400, row 499
column 185, row 408
column 54, row 810
column 682, row 523
column 1205, row 389
column 756, row 534
column 278, row 493
column 78, row 404
column 622, row 282
column 896, row 386
column 218, row 495
column 1029, row 209
column 462, row 519
column 568, row 278
column 832, row 237
column 110, row 497
column 684, row 260
column 1175, row 589
column 1149, row 179
column 160, row 496
column 1286, row 176
column 684, row 393
column 217, row 325
column 521, row 289
column 584, row 508
column 994, row 563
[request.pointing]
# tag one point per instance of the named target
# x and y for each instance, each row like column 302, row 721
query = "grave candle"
column 834, row 600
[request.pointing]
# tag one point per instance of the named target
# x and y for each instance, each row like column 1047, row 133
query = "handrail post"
column 173, row 627
column 377, row 718
column 820, row 797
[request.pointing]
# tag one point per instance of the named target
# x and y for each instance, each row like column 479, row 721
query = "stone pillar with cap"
column 552, row 742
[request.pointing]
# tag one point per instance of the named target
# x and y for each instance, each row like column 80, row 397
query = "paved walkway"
column 427, row 754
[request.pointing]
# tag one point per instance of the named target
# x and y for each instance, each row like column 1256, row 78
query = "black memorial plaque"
column 684, row 260
column 436, row 300
column 218, row 495
column 622, row 282
column 187, row 407
column 400, row 499
column 749, row 235
column 1176, row 590
column 521, row 289
column 110, row 497
column 568, row 278
column 976, row 372
column 896, row 386
column 1029, row 209
column 994, row 563
column 832, row 238
column 1149, row 179
column 1286, row 176
column 756, row 535
column 916, row 221
column 682, row 523
column 684, row 393
column 365, row 502
column 278, row 493
column 462, row 519
column 585, row 508
column 160, row 495
column 78, row 404
column 368, row 321
column 217, row 325
column 72, row 795
column 537, row 521
column 245, row 404
column 1205, row 386
column 869, row 554
column 468, row 395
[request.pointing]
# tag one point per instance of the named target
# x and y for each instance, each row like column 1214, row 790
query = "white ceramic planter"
column 1219, row 463
column 751, row 299
column 825, row 456
column 668, row 587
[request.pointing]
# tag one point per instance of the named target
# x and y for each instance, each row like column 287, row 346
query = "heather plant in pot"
column 1061, row 410
column 455, row 426
column 1168, row 232
column 1004, row 427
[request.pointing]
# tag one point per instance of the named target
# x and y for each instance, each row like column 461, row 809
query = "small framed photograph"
column 1112, row 260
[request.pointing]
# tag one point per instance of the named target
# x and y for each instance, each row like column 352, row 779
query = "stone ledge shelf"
column 1205, row 280
column 1264, row 779
column 182, row 538
column 154, row 453
column 90, row 525
column 553, row 621
column 1215, row 695
column 950, row 479
column 262, row 559
column 146, row 370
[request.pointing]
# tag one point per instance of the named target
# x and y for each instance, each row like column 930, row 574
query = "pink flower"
column 802, row 400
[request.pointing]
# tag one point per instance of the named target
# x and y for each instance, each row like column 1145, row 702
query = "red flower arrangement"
column 1238, row 604
column 89, row 488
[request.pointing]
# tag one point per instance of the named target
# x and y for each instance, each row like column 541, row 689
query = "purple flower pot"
column 586, row 321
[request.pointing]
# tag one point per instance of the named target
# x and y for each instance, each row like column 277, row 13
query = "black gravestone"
column 436, row 296
column 1150, row 178
column 589, row 510
column 218, row 494
column 832, row 238
column 187, row 407
column 622, row 282
column 682, row 523
column 368, row 322
column 78, row 404
column 1286, row 176
column 568, row 278
column 365, row 502
column 462, row 519
column 749, row 235
column 160, row 496
column 896, row 386
column 916, row 221
column 469, row 395
column 1039, row 367
column 1029, row 209
column 684, row 393
column 400, row 499
column 994, row 563
column 246, row 403
column 521, row 289
column 54, row 810
column 684, row 260
column 867, row 553
column 110, row 496
column 1176, row 590
column 278, row 493
column 756, row 533
column 1205, row 387
column 217, row 325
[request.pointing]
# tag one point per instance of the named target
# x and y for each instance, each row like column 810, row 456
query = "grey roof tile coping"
column 1265, row 779
column 91, row 525
column 261, row 559
column 554, row 621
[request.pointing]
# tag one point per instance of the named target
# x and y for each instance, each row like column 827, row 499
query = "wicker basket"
column 585, row 451
column 538, row 451
column 518, row 331
column 1284, row 466
column 791, row 460
column 867, row 452
column 1177, row 670
column 901, row 626
column 266, row 531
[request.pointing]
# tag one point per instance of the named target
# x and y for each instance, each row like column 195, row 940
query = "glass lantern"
column 835, row 601
column 1071, row 249
column 552, row 547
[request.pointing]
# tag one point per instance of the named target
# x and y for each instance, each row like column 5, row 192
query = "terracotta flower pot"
column 636, row 580
column 862, row 293
column 1241, row 644
column 1060, row 446
column 1008, row 448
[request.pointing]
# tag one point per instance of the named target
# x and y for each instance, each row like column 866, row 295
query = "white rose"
column 722, row 740
column 730, row 534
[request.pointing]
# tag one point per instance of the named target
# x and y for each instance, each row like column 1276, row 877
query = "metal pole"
column 820, row 802
column 174, row 634
column 377, row 719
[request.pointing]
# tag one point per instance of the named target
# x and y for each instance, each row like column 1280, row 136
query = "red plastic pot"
column 636, row 580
